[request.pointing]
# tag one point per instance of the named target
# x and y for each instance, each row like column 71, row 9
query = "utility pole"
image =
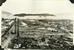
column 15, row 26
column 17, row 30
column 18, row 27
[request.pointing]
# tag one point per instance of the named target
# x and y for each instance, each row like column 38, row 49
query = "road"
column 8, row 36
column 6, row 42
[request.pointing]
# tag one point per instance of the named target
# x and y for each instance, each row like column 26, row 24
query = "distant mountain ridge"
column 24, row 14
column 7, row 15
column 4, row 12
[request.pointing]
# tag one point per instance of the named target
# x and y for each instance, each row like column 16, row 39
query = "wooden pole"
column 15, row 25
column 18, row 27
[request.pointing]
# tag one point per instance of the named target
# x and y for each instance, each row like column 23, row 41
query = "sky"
column 38, row 6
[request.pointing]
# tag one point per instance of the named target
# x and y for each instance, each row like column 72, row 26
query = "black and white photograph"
column 37, row 25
